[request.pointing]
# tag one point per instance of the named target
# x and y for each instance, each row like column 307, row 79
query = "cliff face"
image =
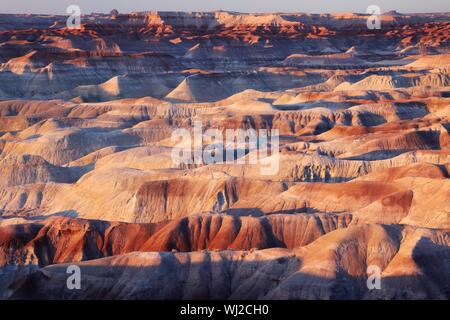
column 60, row 240
column 88, row 177
column 321, row 270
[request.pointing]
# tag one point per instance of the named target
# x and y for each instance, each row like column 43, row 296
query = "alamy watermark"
column 374, row 20
column 73, row 282
column 230, row 146
column 374, row 280
column 74, row 20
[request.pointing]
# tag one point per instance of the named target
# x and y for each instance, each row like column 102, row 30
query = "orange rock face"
column 361, row 174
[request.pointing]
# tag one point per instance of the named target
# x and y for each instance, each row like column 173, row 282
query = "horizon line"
column 231, row 11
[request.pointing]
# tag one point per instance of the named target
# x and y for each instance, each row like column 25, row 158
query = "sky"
column 310, row 6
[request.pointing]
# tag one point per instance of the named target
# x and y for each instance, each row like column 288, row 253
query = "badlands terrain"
column 88, row 178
